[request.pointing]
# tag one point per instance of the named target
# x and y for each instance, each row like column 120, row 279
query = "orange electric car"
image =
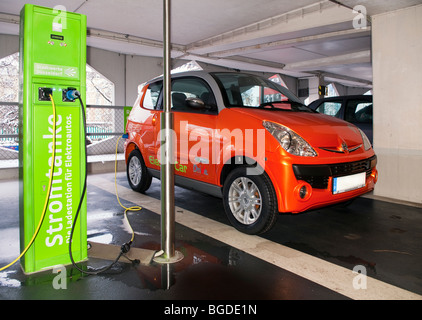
column 251, row 142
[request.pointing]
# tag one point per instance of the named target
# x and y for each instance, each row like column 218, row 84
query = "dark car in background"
column 354, row 109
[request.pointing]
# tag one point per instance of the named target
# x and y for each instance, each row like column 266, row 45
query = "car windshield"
column 249, row 91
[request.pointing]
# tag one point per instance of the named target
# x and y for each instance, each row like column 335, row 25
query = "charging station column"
column 53, row 61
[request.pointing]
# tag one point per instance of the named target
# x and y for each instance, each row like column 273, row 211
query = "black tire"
column 137, row 174
column 252, row 208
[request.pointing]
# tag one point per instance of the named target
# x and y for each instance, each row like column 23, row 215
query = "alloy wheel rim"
column 135, row 172
column 245, row 200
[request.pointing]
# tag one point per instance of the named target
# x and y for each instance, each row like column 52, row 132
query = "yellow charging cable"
column 48, row 191
column 134, row 208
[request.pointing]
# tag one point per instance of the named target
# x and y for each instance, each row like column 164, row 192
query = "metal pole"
column 169, row 254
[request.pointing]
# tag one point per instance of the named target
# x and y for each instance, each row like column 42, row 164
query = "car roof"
column 200, row 73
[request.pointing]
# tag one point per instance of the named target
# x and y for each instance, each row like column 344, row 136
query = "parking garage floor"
column 319, row 255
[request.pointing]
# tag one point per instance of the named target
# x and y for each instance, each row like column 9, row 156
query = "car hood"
column 317, row 129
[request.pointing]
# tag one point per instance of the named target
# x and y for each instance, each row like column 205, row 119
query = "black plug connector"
column 70, row 94
column 125, row 247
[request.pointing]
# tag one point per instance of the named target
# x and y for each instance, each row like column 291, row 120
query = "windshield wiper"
column 296, row 106
column 270, row 103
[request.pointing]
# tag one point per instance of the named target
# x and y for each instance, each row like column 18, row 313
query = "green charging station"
column 53, row 61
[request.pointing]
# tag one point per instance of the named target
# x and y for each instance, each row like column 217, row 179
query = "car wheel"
column 250, row 201
column 137, row 174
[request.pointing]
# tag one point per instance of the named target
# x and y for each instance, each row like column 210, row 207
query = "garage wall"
column 138, row 70
column 397, row 70
column 126, row 71
column 111, row 65
column 9, row 44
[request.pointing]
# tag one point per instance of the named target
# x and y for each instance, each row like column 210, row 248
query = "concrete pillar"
column 9, row 44
column 291, row 83
column 397, row 79
column 314, row 83
column 138, row 70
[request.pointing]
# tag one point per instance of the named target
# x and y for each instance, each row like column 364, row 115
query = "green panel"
column 53, row 56
column 127, row 111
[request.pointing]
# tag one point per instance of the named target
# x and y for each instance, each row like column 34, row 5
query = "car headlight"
column 366, row 143
column 289, row 140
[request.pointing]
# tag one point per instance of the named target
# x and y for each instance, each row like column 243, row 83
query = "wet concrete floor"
column 383, row 237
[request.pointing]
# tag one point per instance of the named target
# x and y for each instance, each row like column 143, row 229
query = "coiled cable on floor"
column 47, row 198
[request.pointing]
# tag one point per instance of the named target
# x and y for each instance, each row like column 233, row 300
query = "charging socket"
column 68, row 95
column 44, row 94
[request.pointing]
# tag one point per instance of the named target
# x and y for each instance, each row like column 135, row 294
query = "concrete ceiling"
column 299, row 38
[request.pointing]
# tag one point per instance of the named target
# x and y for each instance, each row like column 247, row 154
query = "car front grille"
column 318, row 175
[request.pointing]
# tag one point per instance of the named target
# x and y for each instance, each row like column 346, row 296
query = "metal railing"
column 104, row 124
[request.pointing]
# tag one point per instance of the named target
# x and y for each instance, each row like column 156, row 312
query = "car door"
column 150, row 126
column 360, row 113
column 194, row 128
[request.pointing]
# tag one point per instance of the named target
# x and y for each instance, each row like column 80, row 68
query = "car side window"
column 184, row 89
column 330, row 108
column 358, row 111
column 152, row 95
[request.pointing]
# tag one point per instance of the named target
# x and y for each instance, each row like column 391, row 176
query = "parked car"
column 252, row 143
column 354, row 109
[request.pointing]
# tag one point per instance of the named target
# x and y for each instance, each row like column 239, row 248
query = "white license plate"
column 349, row 183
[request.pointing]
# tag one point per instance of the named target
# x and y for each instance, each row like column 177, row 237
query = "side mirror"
column 195, row 103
